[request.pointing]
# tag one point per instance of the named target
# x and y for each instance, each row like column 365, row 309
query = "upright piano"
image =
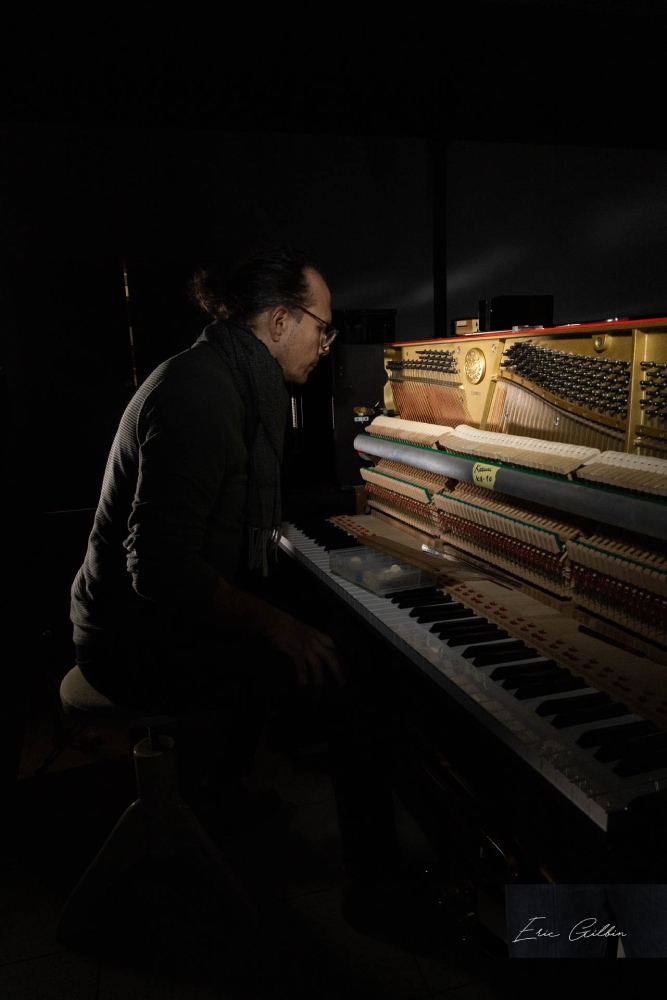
column 524, row 473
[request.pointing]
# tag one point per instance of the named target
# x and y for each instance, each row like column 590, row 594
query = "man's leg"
column 358, row 753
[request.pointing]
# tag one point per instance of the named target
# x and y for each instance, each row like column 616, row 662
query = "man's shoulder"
column 199, row 368
column 189, row 387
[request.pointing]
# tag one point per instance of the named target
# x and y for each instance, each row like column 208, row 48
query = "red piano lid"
column 605, row 324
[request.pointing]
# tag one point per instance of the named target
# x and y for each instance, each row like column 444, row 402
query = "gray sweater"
column 170, row 516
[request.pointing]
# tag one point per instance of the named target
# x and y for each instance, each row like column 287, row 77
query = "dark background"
column 427, row 163
column 429, row 157
column 504, row 149
column 554, row 163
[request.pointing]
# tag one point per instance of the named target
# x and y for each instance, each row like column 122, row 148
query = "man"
column 169, row 610
column 191, row 492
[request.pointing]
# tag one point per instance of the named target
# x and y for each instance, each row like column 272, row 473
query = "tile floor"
column 167, row 936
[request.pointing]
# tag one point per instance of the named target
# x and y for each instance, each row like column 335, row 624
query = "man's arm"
column 312, row 652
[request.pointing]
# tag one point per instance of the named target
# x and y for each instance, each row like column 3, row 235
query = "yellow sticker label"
column 484, row 475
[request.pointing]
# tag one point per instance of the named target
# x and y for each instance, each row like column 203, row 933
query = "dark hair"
column 264, row 278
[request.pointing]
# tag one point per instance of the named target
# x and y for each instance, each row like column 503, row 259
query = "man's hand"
column 312, row 652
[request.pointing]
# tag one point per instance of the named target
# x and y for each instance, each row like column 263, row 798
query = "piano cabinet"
column 525, row 686
column 492, row 811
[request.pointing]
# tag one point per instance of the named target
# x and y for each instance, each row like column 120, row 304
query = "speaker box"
column 505, row 311
column 320, row 442
column 365, row 326
column 358, row 381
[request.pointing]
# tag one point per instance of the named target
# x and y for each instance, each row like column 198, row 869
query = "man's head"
column 297, row 336
column 281, row 295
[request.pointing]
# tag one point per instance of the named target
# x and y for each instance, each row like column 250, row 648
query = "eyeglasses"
column 330, row 332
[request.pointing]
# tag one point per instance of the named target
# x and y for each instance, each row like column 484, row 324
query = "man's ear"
column 279, row 319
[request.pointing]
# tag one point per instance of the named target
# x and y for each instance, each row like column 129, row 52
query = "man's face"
column 301, row 345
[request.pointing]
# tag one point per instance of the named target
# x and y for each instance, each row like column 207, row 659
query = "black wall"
column 89, row 212
column 425, row 169
column 585, row 224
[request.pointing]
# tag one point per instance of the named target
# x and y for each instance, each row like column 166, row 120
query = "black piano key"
column 576, row 703
column 463, row 637
column 636, row 746
column 612, row 734
column 335, row 541
column 549, row 685
column 653, row 741
column 326, row 534
column 431, row 613
column 428, row 600
column 621, row 749
column 641, row 764
column 610, row 751
column 402, row 595
column 563, row 720
column 526, row 670
column 516, row 680
column 445, row 628
column 487, row 658
column 512, row 644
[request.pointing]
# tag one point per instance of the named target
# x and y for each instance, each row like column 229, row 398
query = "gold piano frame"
column 471, row 379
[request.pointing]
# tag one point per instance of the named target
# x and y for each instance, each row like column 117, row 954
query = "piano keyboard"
column 511, row 674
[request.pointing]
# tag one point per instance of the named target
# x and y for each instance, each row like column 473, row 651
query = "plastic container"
column 376, row 571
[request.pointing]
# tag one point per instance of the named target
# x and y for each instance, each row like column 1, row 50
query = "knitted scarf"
column 259, row 380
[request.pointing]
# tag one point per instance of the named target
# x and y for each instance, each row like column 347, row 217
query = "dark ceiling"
column 522, row 71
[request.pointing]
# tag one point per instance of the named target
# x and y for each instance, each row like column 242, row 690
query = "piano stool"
column 158, row 825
